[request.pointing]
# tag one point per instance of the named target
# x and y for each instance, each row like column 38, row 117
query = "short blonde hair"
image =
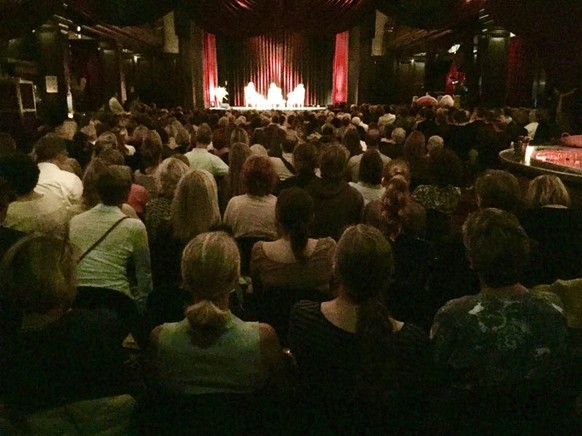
column 168, row 175
column 195, row 205
column 38, row 274
column 545, row 190
column 210, row 269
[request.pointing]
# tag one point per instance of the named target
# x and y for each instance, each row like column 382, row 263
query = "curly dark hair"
column 258, row 176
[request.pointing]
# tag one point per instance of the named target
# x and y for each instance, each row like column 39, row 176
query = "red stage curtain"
column 210, row 67
column 236, row 18
column 340, row 68
column 284, row 58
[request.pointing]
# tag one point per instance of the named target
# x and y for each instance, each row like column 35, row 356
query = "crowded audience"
column 163, row 257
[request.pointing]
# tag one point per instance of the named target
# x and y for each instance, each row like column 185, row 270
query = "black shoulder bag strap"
column 101, row 238
column 288, row 165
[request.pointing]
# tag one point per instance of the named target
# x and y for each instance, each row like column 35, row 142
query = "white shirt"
column 201, row 159
column 252, row 216
column 45, row 214
column 106, row 265
column 67, row 186
column 369, row 192
column 280, row 168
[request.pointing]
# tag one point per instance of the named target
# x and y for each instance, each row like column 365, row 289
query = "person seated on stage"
column 34, row 210
column 56, row 354
column 337, row 204
column 296, row 97
column 360, row 369
column 201, row 159
column 372, row 143
column 502, row 354
column 275, row 96
column 211, row 350
column 370, row 176
column 557, row 229
column 253, row 214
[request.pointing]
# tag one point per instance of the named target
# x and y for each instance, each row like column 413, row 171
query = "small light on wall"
column 412, row 61
column 512, row 35
column 33, row 30
column 78, row 28
column 135, row 58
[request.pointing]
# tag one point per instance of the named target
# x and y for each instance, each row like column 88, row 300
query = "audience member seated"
column 211, row 356
column 305, row 160
column 361, row 370
column 158, row 210
column 557, row 230
column 151, row 156
column 337, row 204
column 443, row 192
column 194, row 210
column 90, row 191
column 499, row 189
column 502, row 353
column 372, row 143
column 370, row 176
column 286, row 270
column 351, row 141
column 396, row 212
column 56, row 355
column 414, row 152
column 34, row 210
column 283, row 159
column 108, row 241
column 201, row 159
column 50, row 151
column 253, row 214
column 7, row 236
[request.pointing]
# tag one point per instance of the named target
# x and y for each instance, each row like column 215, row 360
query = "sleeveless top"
column 231, row 364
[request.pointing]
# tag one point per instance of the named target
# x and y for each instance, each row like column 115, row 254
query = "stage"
column 261, row 109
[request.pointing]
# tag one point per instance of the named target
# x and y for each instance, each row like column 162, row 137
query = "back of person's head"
column 114, row 184
column 294, row 213
column 445, row 167
column 151, row 153
column 90, row 177
column 111, row 156
column 498, row 189
column 168, row 175
column 371, row 167
column 333, row 164
column 38, row 274
column 239, row 135
column 259, row 176
column 351, row 141
column 547, row 190
column 50, row 147
column 239, row 153
column 395, row 204
column 210, row 270
column 364, row 262
column 20, row 172
column 195, row 205
column 396, row 167
column 497, row 246
column 290, row 142
column 373, row 138
column 434, row 142
column 414, row 146
column 204, row 134
column 398, row 135
column 305, row 158
column 7, row 144
column 259, row 137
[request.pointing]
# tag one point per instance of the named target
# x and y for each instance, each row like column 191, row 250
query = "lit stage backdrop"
column 283, row 58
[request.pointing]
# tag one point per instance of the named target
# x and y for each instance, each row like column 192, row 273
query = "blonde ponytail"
column 207, row 315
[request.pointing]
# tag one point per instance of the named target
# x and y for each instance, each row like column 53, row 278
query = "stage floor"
column 282, row 109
